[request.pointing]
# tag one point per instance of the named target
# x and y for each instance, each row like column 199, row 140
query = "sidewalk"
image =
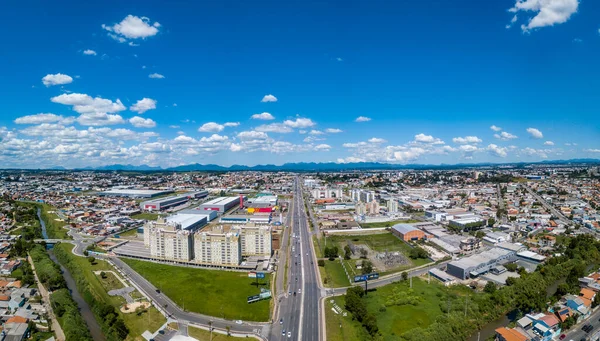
column 60, row 335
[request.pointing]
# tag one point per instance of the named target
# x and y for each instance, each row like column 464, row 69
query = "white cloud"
column 339, row 59
column 467, row 140
column 269, row 98
column 377, row 140
column 211, row 127
column 467, row 148
column 549, row 12
column 548, row 143
column 422, row 138
column 316, row 132
column 140, row 122
column 536, row 134
column 535, row 152
column 252, row 135
column 505, row 136
column 99, row 119
column 83, row 103
column 496, row 150
column 143, row 105
column 362, row 119
column 44, row 118
column 265, row 116
column 231, row 124
column 592, row 150
column 299, row 123
column 56, row 79
column 156, row 76
column 274, row 128
column 132, row 27
column 174, row 127
column 89, row 52
column 322, row 147
column 235, row 147
column 333, row 130
column 495, row 128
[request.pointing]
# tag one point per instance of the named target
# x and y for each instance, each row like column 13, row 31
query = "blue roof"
column 404, row 228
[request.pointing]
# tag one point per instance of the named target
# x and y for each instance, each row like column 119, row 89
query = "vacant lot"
column 146, row 216
column 333, row 271
column 388, row 223
column 211, row 292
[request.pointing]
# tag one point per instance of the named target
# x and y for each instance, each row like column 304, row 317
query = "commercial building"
column 221, row 204
column 327, row 193
column 218, row 246
column 169, row 240
column 255, row 240
column 168, row 202
column 133, row 193
column 265, row 201
column 210, row 215
column 408, row 232
column 481, row 263
column 258, row 218
column 470, row 244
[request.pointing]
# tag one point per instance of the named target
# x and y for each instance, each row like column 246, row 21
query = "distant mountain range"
column 325, row 167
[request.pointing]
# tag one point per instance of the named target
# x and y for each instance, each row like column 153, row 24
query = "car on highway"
column 294, row 293
column 289, row 334
column 281, row 322
column 562, row 337
column 283, row 332
column 299, row 291
column 239, row 322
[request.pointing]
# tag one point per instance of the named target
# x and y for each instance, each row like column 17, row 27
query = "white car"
column 239, row 322
column 289, row 334
column 299, row 291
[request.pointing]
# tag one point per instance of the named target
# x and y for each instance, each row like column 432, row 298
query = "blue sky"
column 430, row 78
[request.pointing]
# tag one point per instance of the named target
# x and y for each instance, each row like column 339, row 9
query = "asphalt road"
column 300, row 313
column 577, row 334
column 549, row 207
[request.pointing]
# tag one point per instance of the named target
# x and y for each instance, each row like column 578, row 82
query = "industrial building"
column 265, row 201
column 258, row 218
column 255, row 240
column 408, row 232
column 172, row 201
column 172, row 240
column 481, row 263
column 221, row 204
column 218, row 246
column 133, row 193
column 210, row 215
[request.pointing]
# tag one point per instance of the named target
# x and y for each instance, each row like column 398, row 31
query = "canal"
column 84, row 308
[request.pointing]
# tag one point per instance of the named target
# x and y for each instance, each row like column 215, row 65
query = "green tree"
column 347, row 252
column 404, row 275
column 490, row 287
column 367, row 267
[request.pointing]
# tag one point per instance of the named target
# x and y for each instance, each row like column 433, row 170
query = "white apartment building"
column 167, row 240
column 361, row 195
column 255, row 240
column 392, row 206
column 218, row 246
column 327, row 193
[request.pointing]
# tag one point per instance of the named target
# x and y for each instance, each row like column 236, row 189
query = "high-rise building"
column 255, row 240
column 167, row 240
column 392, row 206
column 361, row 208
column 327, row 193
column 373, row 207
column 217, row 246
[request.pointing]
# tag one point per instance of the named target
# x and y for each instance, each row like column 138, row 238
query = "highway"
column 577, row 334
column 300, row 312
column 549, row 207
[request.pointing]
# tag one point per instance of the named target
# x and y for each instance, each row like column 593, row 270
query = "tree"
column 512, row 267
column 347, row 252
column 596, row 301
column 491, row 222
column 103, row 275
column 418, row 252
column 510, row 281
column 404, row 275
column 321, row 262
column 490, row 287
column 363, row 253
column 331, row 252
column 367, row 267
column 92, row 260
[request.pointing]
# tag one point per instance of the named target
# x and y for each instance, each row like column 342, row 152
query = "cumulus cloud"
column 269, row 98
column 362, row 119
column 300, row 123
column 274, row 128
column 231, row 124
column 467, row 140
column 140, row 122
column 496, row 150
column 592, row 150
column 156, row 76
column 316, row 132
column 89, row 52
column 505, row 136
column 265, row 116
column 376, row 140
column 44, row 118
column 83, row 103
column 132, row 27
column 56, row 79
column 99, row 119
column 495, row 128
column 143, row 105
column 548, row 143
column 322, row 147
column 422, row 138
column 333, row 130
column 548, row 12
column 535, row 133
column 211, row 127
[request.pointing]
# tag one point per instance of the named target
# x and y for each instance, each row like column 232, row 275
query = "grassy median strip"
column 339, row 327
column 104, row 306
column 216, row 293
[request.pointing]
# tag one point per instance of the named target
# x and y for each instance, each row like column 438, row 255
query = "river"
column 84, row 308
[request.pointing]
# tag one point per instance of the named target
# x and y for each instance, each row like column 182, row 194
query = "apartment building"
column 167, row 240
column 255, row 240
column 218, row 246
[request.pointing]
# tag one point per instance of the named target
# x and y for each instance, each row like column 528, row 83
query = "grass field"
column 130, row 233
column 388, row 223
column 146, row 216
column 318, row 251
column 394, row 320
column 111, row 282
column 204, row 335
column 150, row 320
column 333, row 271
column 54, row 226
column 211, row 292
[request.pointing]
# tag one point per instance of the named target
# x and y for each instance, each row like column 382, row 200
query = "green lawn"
column 211, row 292
column 146, row 216
column 54, row 226
column 204, row 335
column 333, row 271
column 150, row 320
column 388, row 223
column 110, row 282
column 339, row 327
column 130, row 233
column 318, row 251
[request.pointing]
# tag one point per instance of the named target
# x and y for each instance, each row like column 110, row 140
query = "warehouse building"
column 210, row 215
column 265, row 201
column 408, row 232
column 261, row 218
column 133, row 193
column 255, row 240
column 221, row 204
column 161, row 204
column 189, row 222
column 475, row 265
column 219, row 246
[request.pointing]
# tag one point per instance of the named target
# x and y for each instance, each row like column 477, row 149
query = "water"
column 84, row 308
